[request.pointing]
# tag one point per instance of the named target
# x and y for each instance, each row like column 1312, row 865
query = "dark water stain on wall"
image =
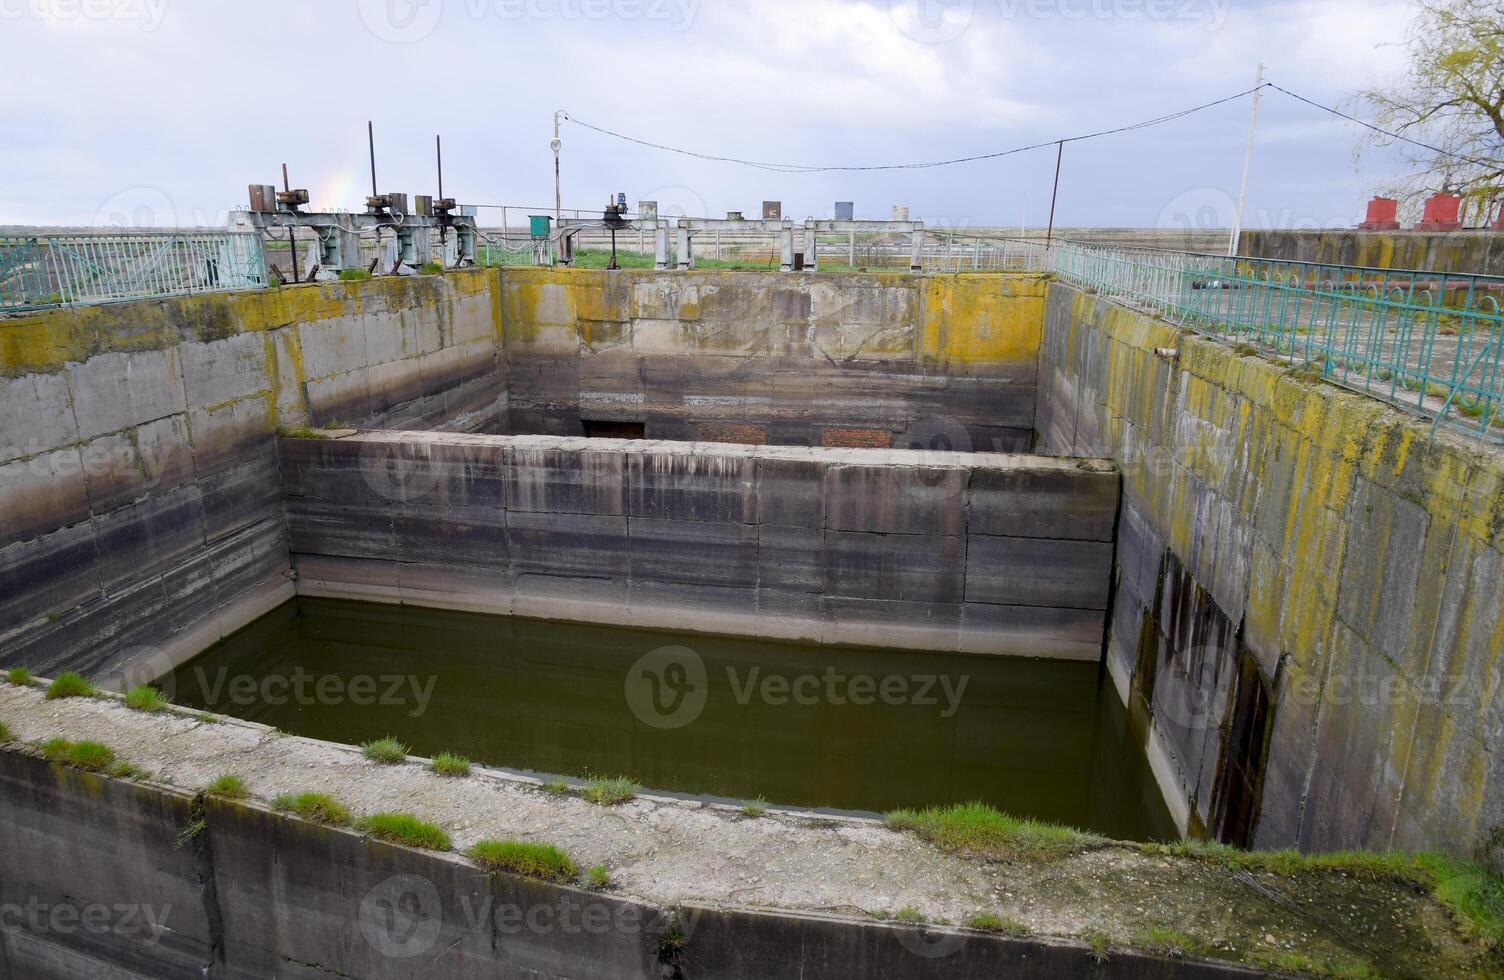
column 1208, row 700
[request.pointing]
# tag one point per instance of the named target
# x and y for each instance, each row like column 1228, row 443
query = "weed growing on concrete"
column 1166, row 942
column 911, row 915
column 146, row 698
column 558, row 787
column 989, row 922
column 207, row 718
column 1099, row 942
column 431, row 268
column 70, row 685
column 193, row 828
column 354, row 275
column 1288, row 961
column 404, row 828
column 976, row 828
column 19, row 676
column 755, row 808
column 94, row 756
column 610, row 792
column 449, row 764
column 128, row 770
column 387, row 751
column 4, row 732
column 597, row 878
column 318, row 807
column 542, row 861
column 229, row 787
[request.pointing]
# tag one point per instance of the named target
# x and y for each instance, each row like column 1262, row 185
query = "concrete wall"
column 787, row 359
column 1308, row 596
column 140, row 501
column 146, row 882
column 1452, row 251
column 979, row 553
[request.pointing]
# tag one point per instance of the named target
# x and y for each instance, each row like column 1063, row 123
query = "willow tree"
column 1451, row 98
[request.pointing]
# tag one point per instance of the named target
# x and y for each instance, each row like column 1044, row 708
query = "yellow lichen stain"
column 975, row 318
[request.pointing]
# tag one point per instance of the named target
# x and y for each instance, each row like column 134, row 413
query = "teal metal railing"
column 1431, row 342
column 38, row 271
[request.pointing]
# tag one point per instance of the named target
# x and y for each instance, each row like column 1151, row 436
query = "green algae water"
column 845, row 728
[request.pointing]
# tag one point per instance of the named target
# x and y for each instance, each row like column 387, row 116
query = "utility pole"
column 556, row 144
column 1253, row 125
column 1049, row 235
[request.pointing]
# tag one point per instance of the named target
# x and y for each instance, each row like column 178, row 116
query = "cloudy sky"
column 162, row 111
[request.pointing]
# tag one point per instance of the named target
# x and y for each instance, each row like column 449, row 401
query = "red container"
column 1383, row 215
column 1441, row 213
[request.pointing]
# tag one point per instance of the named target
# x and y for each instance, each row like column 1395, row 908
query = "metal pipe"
column 371, row 143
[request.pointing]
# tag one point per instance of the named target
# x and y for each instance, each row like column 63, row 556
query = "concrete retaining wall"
column 1479, row 252
column 141, row 511
column 1308, row 596
column 110, row 878
column 941, row 551
column 876, row 360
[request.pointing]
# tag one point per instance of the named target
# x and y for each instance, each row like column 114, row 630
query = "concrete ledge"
column 874, row 547
column 243, row 892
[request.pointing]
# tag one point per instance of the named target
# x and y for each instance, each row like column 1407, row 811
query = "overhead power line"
column 812, row 168
column 1379, row 129
column 1145, row 124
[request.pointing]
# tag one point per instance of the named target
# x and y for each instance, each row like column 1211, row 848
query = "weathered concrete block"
column 568, row 545
column 224, row 370
column 693, row 482
column 790, row 489
column 38, row 414
column 693, row 552
column 1038, row 572
column 41, row 494
column 895, row 492
column 1033, row 500
column 547, row 477
column 115, row 391
column 894, row 566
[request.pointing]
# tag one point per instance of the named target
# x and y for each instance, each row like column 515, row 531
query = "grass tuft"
column 94, row 756
column 910, row 915
column 431, row 268
column 318, row 807
column 354, row 275
column 990, row 922
column 386, row 751
column 229, row 786
column 975, row 828
column 121, row 769
column 542, row 861
column 597, row 878
column 19, row 676
column 610, row 792
column 4, row 732
column 146, row 698
column 70, row 685
column 404, row 828
column 449, row 764
column 558, row 787
column 755, row 808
